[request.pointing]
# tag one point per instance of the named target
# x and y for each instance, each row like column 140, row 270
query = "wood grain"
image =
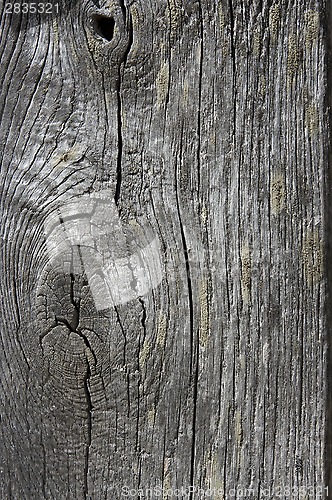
column 209, row 124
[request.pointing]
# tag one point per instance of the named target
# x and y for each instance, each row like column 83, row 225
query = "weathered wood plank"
column 207, row 124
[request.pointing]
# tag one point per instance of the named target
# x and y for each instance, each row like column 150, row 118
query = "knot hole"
column 104, row 26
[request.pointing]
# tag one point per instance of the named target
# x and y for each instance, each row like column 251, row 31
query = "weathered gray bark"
column 208, row 121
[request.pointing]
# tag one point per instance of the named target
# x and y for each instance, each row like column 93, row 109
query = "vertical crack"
column 89, row 433
column 194, row 428
column 199, row 119
column 233, row 55
column 124, row 335
column 123, row 8
column 194, row 355
column 124, row 356
column 327, row 20
column 122, row 64
column 87, row 391
column 169, row 37
column 261, row 471
column 76, row 314
column 73, row 327
column 196, row 373
column 143, row 322
column 120, row 143
column 143, row 319
column 89, row 408
column 139, row 476
column 225, row 456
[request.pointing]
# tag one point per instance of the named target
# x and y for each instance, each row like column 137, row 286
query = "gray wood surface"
column 203, row 126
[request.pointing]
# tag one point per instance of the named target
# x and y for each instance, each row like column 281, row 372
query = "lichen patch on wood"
column 312, row 118
column 161, row 330
column 246, row 270
column 175, row 17
column 313, row 257
column 312, row 27
column 257, row 41
column 162, row 84
column 204, row 323
column 293, row 56
column 277, row 193
column 222, row 22
column 214, row 477
column 274, row 21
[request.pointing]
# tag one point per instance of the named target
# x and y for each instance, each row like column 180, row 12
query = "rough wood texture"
column 208, row 123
